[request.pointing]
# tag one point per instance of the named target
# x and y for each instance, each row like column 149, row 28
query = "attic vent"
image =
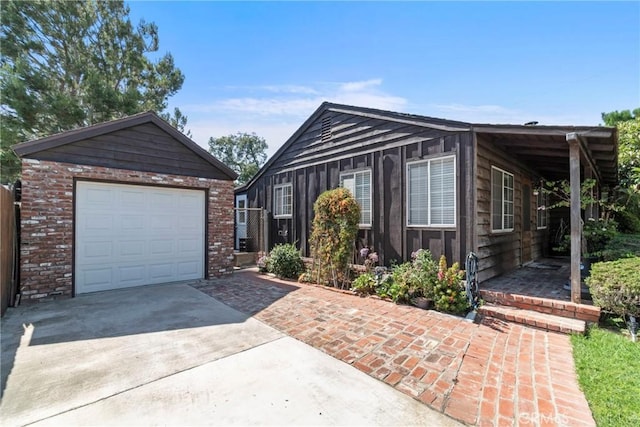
column 326, row 129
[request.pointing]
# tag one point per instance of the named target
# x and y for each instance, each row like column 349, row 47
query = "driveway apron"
column 170, row 355
column 494, row 373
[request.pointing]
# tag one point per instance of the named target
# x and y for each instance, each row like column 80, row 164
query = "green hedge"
column 615, row 286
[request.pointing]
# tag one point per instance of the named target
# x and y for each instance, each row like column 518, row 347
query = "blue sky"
column 265, row 67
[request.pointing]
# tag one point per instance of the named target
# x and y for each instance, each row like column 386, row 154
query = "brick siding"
column 46, row 255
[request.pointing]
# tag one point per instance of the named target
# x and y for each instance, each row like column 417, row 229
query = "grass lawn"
column 608, row 366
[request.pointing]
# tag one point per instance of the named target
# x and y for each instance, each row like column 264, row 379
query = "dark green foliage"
column 333, row 235
column 68, row 64
column 243, row 152
column 615, row 286
column 622, row 246
column 285, row 261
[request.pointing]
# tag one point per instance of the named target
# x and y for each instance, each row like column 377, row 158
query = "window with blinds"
column 282, row 201
column 359, row 183
column 431, row 192
column 501, row 200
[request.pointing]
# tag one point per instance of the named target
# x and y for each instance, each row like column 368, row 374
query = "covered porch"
column 537, row 295
column 555, row 153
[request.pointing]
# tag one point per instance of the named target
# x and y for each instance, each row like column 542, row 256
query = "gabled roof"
column 600, row 141
column 412, row 119
column 26, row 149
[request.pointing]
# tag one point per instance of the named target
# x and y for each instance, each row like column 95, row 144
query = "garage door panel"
column 132, row 248
column 161, row 223
column 162, row 247
column 188, row 246
column 136, row 235
column 132, row 222
column 99, row 197
column 97, row 249
column 98, row 224
column 162, row 200
column 189, row 269
column 131, row 275
column 162, row 272
column 189, row 201
column 97, row 278
column 132, row 198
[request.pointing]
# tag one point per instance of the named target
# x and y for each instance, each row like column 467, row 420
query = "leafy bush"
column 285, row 261
column 364, row 284
column 622, row 246
column 598, row 232
column 416, row 278
column 263, row 264
column 450, row 295
column 334, row 231
column 615, row 286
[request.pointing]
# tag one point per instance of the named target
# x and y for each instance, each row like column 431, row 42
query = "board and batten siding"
column 384, row 147
column 144, row 147
column 499, row 252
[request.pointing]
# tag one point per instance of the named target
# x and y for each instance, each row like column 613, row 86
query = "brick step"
column 568, row 309
column 547, row 322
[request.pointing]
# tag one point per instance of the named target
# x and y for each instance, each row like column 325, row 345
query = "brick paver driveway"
column 489, row 374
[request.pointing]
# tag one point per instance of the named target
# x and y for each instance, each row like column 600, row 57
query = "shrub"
column 416, row 278
column 450, row 295
column 615, row 286
column 263, row 264
column 598, row 232
column 285, row 261
column 364, row 284
column 622, row 246
column 334, row 231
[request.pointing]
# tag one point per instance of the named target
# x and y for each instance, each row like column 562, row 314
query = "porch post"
column 576, row 232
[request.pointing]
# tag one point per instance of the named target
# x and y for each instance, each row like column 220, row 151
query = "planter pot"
column 422, row 302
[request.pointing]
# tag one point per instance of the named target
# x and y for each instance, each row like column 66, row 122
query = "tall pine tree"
column 67, row 64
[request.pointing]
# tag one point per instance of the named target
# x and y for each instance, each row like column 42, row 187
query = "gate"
column 251, row 230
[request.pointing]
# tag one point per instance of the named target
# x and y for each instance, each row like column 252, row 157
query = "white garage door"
column 131, row 235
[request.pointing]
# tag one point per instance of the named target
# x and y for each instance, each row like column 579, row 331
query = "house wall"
column 313, row 166
column 499, row 252
column 48, row 215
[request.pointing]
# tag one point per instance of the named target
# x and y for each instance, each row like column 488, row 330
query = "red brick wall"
column 46, row 253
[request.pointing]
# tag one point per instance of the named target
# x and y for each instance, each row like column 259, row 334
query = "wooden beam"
column 576, row 226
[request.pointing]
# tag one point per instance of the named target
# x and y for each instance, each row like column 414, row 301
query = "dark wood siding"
column 145, row 147
column 499, row 252
column 313, row 166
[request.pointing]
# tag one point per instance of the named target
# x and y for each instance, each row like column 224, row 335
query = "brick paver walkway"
column 490, row 374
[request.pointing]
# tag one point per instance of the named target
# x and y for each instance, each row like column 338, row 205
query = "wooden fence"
column 8, row 248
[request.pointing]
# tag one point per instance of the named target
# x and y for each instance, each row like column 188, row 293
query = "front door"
column 241, row 222
column 526, row 223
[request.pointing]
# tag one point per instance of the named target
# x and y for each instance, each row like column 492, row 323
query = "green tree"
column 243, row 152
column 628, row 124
column 177, row 120
column 67, row 64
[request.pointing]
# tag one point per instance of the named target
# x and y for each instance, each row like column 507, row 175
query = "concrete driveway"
column 171, row 355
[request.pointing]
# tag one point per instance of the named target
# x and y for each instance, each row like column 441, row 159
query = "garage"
column 125, row 203
column 132, row 235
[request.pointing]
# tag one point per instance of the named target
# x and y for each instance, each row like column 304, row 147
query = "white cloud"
column 361, row 85
column 283, row 109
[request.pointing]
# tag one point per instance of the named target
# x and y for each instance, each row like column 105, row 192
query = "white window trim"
column 428, row 160
column 354, row 172
column 275, row 188
column 241, row 211
column 502, row 230
column 540, row 211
